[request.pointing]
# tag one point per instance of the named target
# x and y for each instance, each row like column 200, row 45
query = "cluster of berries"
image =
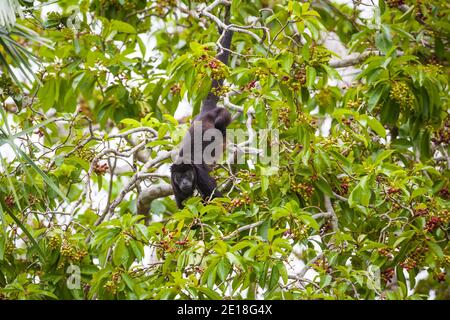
column 163, row 5
column 85, row 154
column 112, row 285
column 402, row 95
column 216, row 68
column 442, row 136
column 9, row 200
column 240, row 202
column 72, row 252
column 388, row 274
column 432, row 224
column 355, row 104
column 304, row 189
column 319, row 56
column 395, row 3
column 415, row 259
column 101, row 169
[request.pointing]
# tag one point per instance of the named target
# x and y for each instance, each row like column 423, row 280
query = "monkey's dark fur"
column 188, row 177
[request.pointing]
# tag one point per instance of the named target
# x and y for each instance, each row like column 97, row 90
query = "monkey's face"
column 185, row 181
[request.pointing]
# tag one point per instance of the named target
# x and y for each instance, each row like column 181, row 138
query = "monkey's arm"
column 218, row 118
column 179, row 198
column 222, row 120
column 206, row 185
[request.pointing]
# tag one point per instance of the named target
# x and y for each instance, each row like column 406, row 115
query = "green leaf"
column 223, row 269
column 120, row 253
column 122, row 27
column 274, row 277
column 279, row 212
column 439, row 48
column 333, row 73
column 283, row 272
column 99, row 181
column 307, row 219
column 2, row 244
column 325, row 280
column 323, row 186
column 196, row 47
column 406, row 16
column 212, row 277
column 381, row 156
column 361, row 193
column 418, row 192
column 35, row 245
column 264, row 183
column 436, row 249
column 376, row 126
column 46, row 94
column 286, row 61
column 130, row 122
column 234, row 258
column 211, row 294
column 182, row 259
column 128, row 281
column 137, row 249
column 382, row 6
column 424, row 145
column 310, row 76
column 47, row 180
column 383, row 40
column 412, row 278
column 404, row 236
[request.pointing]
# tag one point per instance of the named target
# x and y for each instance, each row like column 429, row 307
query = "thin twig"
column 244, row 228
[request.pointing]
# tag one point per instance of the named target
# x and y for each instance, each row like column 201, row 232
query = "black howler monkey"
column 188, row 175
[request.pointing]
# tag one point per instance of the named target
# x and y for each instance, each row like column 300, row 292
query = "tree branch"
column 147, row 196
column 404, row 8
column 330, row 210
column 305, row 269
column 352, row 61
column 131, row 184
column 244, row 228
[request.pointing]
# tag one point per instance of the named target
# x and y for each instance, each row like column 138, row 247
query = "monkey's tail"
column 211, row 100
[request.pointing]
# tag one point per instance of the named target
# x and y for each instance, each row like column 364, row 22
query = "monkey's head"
column 183, row 177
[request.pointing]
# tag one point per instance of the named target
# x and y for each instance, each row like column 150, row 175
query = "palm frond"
column 14, row 54
column 8, row 11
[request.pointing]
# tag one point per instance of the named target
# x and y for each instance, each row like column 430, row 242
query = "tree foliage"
column 356, row 209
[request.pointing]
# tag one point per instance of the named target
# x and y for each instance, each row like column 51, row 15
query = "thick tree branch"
column 305, row 269
column 330, row 210
column 352, row 61
column 147, row 196
column 131, row 184
column 322, row 215
column 134, row 130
